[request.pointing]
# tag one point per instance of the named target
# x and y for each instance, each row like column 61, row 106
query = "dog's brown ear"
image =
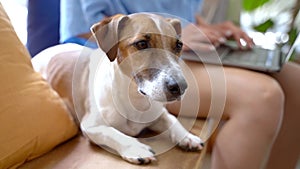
column 176, row 24
column 106, row 34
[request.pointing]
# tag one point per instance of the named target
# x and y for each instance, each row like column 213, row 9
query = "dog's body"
column 123, row 90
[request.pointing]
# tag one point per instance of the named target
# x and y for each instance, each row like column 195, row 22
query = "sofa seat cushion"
column 79, row 153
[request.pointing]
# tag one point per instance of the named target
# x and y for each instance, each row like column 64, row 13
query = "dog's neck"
column 127, row 89
column 128, row 99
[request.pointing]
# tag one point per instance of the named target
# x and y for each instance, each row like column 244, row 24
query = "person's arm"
column 95, row 10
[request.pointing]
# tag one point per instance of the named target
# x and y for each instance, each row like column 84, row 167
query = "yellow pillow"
column 33, row 119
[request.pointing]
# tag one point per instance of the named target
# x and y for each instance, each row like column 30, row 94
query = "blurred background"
column 17, row 11
column 275, row 19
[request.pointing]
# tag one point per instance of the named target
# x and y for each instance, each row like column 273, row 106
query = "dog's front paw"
column 191, row 143
column 138, row 154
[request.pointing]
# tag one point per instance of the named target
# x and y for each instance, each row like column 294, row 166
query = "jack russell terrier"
column 139, row 73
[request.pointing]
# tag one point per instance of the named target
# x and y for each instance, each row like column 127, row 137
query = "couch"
column 38, row 132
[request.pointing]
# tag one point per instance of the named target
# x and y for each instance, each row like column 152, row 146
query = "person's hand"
column 205, row 37
column 219, row 33
column 193, row 38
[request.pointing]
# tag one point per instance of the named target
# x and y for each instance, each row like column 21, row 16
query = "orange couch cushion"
column 33, row 119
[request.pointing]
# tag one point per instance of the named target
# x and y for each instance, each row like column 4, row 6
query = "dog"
column 138, row 72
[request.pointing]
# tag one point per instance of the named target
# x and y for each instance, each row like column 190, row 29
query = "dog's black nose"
column 173, row 88
column 176, row 89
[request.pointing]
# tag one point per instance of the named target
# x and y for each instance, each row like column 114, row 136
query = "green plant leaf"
column 292, row 35
column 263, row 27
column 251, row 5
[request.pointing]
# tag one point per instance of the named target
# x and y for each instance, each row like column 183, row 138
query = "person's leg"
column 286, row 150
column 253, row 109
column 42, row 25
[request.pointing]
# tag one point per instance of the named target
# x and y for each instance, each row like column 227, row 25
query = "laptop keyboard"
column 255, row 59
column 257, row 56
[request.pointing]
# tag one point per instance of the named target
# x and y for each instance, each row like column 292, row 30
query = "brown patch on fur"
column 157, row 41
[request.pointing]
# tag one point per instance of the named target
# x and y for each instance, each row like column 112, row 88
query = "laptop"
column 259, row 58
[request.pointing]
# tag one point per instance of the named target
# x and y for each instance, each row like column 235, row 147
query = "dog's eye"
column 140, row 45
column 178, row 46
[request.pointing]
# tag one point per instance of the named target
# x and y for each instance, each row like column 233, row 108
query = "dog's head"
column 147, row 48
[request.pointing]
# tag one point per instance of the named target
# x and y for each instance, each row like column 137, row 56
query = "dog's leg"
column 128, row 147
column 177, row 133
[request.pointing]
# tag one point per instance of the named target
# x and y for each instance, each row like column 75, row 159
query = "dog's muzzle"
column 159, row 85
